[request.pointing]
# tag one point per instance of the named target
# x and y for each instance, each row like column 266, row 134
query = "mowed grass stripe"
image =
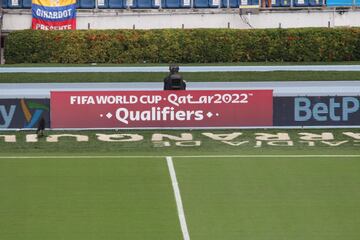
column 82, row 199
column 184, row 156
column 240, row 198
column 190, row 77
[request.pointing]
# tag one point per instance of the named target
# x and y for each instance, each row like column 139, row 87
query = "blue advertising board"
column 317, row 111
column 23, row 113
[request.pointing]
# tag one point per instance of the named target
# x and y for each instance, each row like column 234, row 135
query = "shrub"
column 183, row 45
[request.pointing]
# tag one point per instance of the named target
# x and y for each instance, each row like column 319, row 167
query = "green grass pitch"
column 271, row 198
column 83, row 199
column 98, row 190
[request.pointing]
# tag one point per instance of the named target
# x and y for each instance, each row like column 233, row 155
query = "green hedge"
column 183, row 46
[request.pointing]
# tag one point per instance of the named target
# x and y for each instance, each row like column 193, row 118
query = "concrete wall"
column 216, row 18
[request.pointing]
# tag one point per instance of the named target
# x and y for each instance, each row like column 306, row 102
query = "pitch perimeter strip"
column 185, row 156
column 179, row 205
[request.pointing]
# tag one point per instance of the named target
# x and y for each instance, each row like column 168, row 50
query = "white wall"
column 216, row 18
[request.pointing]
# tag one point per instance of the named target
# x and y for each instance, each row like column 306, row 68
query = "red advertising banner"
column 158, row 109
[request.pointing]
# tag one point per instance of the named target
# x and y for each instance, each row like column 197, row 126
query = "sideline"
column 184, row 156
column 177, row 194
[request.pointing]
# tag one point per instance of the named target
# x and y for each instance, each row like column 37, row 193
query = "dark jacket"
column 41, row 124
column 174, row 81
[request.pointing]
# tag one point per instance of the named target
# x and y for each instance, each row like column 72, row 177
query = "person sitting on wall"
column 174, row 80
column 41, row 127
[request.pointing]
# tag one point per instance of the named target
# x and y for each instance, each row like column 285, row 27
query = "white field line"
column 179, row 204
column 184, row 156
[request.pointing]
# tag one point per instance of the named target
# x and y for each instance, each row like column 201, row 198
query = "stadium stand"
column 281, row 3
column 14, row 3
column 146, row 4
column 206, row 3
column 232, row 3
column 26, row 3
column 115, row 4
column 85, row 4
column 178, row 4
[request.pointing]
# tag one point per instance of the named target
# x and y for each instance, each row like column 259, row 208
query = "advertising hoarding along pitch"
column 23, row 113
column 317, row 111
column 157, row 109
